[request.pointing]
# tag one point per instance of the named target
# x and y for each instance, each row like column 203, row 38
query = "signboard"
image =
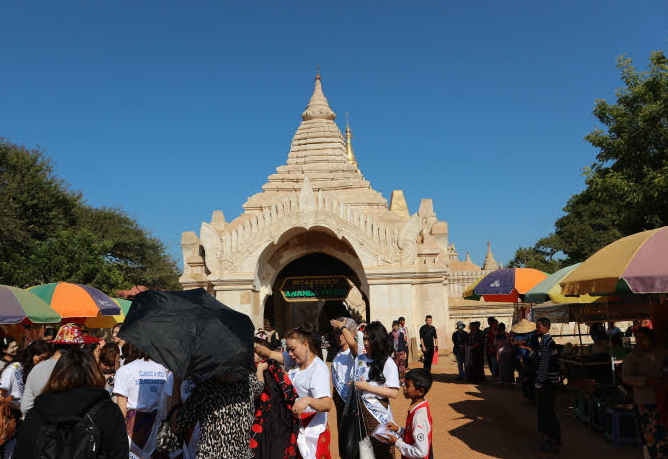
column 314, row 288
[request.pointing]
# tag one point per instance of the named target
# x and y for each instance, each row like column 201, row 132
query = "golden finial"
column 349, row 143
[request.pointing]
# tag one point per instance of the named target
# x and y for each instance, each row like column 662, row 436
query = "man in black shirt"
column 428, row 342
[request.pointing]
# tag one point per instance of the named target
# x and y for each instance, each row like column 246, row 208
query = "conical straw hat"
column 523, row 326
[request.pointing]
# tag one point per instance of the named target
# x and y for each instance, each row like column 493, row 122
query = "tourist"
column 632, row 329
column 118, row 341
column 547, row 385
column 49, row 334
column 415, row 441
column 13, row 379
column 138, row 387
column 343, row 365
column 9, row 350
column 404, row 330
column 428, row 343
column 597, row 333
column 74, row 388
column 490, row 354
column 377, row 380
column 643, row 370
column 273, row 338
column 504, row 356
column 526, row 345
column 359, row 336
column 109, row 360
column 476, row 349
column 275, row 429
column 400, row 348
column 459, row 340
column 68, row 336
column 615, row 335
column 310, row 377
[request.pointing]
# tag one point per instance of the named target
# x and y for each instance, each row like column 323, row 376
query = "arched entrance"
column 302, row 253
column 285, row 314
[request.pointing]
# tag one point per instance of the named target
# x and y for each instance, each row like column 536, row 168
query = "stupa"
column 315, row 217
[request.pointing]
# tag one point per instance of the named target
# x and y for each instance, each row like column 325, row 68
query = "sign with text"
column 314, row 288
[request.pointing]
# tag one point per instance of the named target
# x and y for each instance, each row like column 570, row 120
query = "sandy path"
column 483, row 421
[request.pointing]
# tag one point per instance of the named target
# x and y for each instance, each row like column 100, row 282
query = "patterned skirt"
column 381, row 449
column 654, row 433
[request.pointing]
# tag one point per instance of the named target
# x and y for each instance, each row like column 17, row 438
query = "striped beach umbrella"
column 76, row 300
column 18, row 305
column 633, row 264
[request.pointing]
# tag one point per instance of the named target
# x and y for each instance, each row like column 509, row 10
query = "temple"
column 317, row 223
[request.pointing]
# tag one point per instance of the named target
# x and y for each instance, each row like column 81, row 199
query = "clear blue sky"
column 172, row 109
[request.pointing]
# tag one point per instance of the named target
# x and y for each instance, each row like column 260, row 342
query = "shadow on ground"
column 498, row 423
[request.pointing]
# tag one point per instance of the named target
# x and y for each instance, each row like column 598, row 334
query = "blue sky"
column 171, row 110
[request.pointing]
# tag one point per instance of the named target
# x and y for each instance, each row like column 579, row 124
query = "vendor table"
column 599, row 370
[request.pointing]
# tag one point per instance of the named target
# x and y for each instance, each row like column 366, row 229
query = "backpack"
column 70, row 437
column 7, row 420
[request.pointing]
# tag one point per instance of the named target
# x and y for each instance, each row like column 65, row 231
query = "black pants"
column 428, row 357
column 548, row 424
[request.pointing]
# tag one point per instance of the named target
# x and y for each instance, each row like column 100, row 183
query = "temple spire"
column 349, row 144
column 318, row 107
column 490, row 262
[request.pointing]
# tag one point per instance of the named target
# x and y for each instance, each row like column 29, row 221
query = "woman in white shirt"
column 13, row 380
column 139, row 386
column 377, row 379
column 310, row 377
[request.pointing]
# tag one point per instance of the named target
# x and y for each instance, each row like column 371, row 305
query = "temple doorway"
column 285, row 314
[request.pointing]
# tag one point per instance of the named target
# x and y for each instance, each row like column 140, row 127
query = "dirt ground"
column 483, row 421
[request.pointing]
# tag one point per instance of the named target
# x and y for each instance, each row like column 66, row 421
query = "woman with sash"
column 310, row 377
column 377, row 380
column 343, row 364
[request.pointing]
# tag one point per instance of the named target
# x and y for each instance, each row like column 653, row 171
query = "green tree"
column 542, row 256
column 627, row 186
column 77, row 256
column 141, row 258
column 47, row 233
column 631, row 168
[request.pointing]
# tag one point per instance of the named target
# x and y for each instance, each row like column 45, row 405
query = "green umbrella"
column 550, row 290
column 18, row 305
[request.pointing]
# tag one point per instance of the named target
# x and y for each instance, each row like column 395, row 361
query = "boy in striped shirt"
column 547, row 385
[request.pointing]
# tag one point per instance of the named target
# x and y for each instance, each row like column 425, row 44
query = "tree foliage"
column 627, row 186
column 48, row 233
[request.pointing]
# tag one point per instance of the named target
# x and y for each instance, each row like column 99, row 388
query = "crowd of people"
column 139, row 409
column 70, row 391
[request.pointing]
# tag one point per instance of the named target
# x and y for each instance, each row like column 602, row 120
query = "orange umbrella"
column 75, row 300
column 505, row 285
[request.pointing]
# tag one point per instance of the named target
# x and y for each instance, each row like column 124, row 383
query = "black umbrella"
column 190, row 332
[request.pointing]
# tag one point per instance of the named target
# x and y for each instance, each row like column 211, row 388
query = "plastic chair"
column 621, row 426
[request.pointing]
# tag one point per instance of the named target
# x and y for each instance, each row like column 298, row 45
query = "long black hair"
column 38, row 347
column 379, row 348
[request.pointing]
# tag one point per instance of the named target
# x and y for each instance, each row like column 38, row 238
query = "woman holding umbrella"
column 310, row 377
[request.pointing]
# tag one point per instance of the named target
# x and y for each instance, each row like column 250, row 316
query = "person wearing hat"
column 68, row 336
column 525, row 341
column 459, row 340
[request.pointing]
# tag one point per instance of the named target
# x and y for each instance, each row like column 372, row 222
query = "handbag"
column 167, row 440
column 350, row 429
column 365, row 446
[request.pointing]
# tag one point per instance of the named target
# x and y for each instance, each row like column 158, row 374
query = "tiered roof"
column 319, row 152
